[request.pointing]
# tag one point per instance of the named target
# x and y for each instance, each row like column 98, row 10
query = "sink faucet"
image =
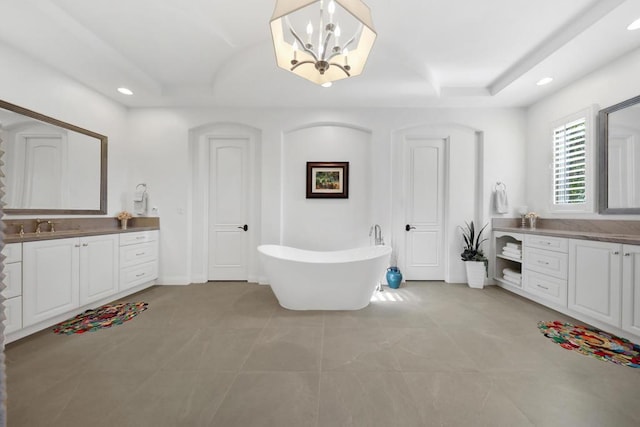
column 377, row 231
column 39, row 222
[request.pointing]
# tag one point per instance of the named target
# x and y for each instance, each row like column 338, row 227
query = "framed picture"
column 327, row 180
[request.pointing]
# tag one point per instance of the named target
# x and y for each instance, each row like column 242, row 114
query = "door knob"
column 244, row 227
column 409, row 227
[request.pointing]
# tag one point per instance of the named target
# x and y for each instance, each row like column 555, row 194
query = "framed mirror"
column 619, row 158
column 51, row 167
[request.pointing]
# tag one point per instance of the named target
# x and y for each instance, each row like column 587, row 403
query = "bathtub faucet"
column 378, row 234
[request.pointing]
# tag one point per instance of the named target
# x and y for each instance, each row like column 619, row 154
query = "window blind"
column 569, row 163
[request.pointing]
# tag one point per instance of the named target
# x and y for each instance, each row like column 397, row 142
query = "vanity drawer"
column 13, row 315
column 138, row 237
column 546, row 287
column 13, row 252
column 138, row 274
column 557, row 244
column 555, row 264
column 13, row 280
column 138, row 254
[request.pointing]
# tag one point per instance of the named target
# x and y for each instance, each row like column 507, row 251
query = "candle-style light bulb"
column 295, row 49
column 345, row 52
column 332, row 9
column 309, row 32
column 337, row 33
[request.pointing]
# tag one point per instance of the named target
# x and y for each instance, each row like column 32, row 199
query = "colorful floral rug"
column 592, row 342
column 102, row 317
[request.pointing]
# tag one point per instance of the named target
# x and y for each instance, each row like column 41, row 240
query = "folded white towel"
column 512, row 280
column 514, row 246
column 511, row 254
column 512, row 277
column 502, row 204
column 509, row 272
column 511, row 250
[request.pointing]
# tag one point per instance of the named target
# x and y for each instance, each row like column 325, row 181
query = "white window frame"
column 589, row 114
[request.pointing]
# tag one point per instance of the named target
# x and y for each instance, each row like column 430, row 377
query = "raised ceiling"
column 219, row 53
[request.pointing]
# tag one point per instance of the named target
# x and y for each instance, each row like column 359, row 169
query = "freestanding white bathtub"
column 311, row 280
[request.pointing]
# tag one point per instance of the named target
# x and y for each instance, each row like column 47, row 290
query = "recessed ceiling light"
column 327, row 84
column 125, row 91
column 634, row 25
column 544, row 81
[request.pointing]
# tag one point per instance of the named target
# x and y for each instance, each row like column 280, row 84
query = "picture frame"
column 327, row 180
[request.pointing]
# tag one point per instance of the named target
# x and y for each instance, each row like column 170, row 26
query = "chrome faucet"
column 377, row 231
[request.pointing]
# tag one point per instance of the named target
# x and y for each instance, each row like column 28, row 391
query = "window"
column 571, row 163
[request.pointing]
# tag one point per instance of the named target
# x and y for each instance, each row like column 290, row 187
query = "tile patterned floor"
column 226, row 354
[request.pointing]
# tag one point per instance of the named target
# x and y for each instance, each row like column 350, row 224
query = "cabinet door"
column 595, row 281
column 50, row 279
column 631, row 289
column 98, row 267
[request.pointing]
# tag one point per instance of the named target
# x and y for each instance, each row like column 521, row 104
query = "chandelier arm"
column 341, row 67
column 326, row 43
column 300, row 63
column 333, row 55
column 302, row 44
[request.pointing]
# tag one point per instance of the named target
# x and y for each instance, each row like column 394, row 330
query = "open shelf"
column 505, row 261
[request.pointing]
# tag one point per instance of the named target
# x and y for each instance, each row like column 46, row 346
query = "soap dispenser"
column 140, row 198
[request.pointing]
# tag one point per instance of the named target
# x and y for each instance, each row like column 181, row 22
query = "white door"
column 45, row 171
column 424, row 175
column 228, row 208
column 51, row 279
column 98, row 267
column 595, row 281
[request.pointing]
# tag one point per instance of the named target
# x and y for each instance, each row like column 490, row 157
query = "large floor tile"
column 272, row 399
column 554, row 399
column 358, row 349
column 214, row 350
column 463, row 399
column 286, row 349
column 366, row 399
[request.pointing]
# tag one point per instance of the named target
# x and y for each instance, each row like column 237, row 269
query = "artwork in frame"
column 327, row 180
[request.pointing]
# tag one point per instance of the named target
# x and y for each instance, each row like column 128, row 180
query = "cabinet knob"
column 616, row 253
column 77, row 246
column 85, row 244
column 627, row 254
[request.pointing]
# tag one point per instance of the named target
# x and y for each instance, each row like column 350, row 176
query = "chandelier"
column 322, row 44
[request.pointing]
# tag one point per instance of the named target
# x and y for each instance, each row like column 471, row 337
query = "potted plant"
column 475, row 261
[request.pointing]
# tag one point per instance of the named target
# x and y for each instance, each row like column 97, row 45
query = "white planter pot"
column 476, row 273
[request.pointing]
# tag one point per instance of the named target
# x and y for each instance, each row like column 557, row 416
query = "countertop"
column 66, row 234
column 627, row 239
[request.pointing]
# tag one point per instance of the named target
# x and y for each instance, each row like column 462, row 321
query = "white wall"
column 326, row 224
column 160, row 142
column 152, row 145
column 30, row 84
column 607, row 86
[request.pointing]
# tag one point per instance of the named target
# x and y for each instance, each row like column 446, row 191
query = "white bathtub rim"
column 306, row 256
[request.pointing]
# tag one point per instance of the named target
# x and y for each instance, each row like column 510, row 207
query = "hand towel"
column 502, row 204
column 514, row 246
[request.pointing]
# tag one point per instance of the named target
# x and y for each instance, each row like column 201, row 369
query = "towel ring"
column 500, row 185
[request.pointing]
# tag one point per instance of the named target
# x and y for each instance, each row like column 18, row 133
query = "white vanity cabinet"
column 595, row 280
column 63, row 274
column 631, row 289
column 13, row 290
column 98, row 267
column 545, row 268
column 51, row 279
column 138, row 258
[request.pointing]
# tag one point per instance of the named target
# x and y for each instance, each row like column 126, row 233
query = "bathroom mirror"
column 51, row 167
column 619, row 158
